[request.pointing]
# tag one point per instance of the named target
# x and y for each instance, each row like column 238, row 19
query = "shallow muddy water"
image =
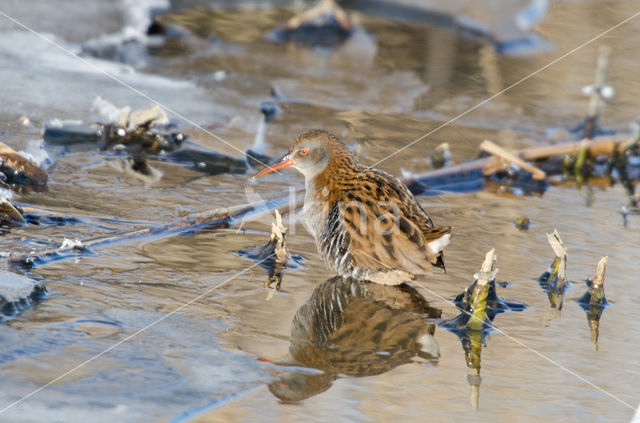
column 392, row 82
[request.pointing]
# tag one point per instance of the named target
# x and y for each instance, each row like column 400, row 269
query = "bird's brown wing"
column 386, row 227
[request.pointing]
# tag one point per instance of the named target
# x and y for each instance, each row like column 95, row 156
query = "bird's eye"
column 304, row 152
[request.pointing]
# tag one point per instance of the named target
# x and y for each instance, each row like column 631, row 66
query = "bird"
column 365, row 222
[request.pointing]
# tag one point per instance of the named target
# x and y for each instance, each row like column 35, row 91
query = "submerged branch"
column 210, row 220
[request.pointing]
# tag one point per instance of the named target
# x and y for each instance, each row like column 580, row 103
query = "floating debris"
column 25, row 122
column 139, row 139
column 593, row 302
column 522, row 223
column 71, row 132
column 17, row 293
column 19, row 173
column 107, row 113
column 354, row 328
column 9, row 213
column 142, row 135
column 501, row 172
column 72, row 244
column 15, row 214
column 273, row 256
column 43, row 217
column 324, row 25
column 139, row 131
column 601, row 161
column 554, row 280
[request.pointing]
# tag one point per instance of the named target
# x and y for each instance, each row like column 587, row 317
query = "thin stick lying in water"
column 210, row 220
column 504, row 155
column 595, row 147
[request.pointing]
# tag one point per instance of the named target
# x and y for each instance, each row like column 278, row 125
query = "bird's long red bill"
column 281, row 163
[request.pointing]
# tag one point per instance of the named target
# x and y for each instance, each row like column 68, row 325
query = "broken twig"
column 211, row 219
column 504, row 155
column 273, row 256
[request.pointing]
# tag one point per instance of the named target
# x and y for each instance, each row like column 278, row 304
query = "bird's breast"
column 316, row 209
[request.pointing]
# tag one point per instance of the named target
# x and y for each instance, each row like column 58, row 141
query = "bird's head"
column 311, row 154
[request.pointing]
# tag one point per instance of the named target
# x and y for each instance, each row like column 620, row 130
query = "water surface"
column 393, row 82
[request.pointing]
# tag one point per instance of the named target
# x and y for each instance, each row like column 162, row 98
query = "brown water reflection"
column 355, row 328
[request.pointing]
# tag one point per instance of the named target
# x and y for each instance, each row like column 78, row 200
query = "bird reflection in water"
column 354, row 328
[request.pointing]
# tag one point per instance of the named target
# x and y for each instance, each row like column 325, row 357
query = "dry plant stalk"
column 279, row 245
column 478, row 298
column 558, row 271
column 476, row 323
column 597, row 301
column 278, row 238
